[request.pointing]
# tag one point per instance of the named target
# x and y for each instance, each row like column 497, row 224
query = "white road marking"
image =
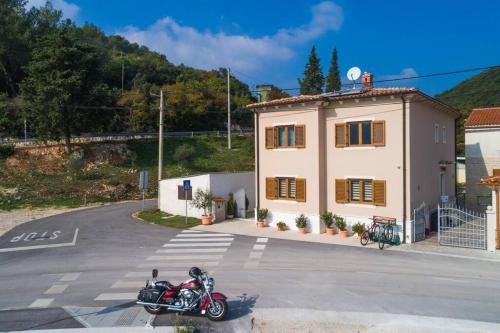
column 56, row 289
column 259, row 246
column 216, row 250
column 187, row 257
column 116, row 297
column 205, row 235
column 251, row 264
column 129, row 284
column 196, row 244
column 148, row 274
column 70, row 277
column 177, row 265
column 41, row 303
column 202, row 240
column 255, row 255
column 191, row 231
column 262, row 240
column 35, row 247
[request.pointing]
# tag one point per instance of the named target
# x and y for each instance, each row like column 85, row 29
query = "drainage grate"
column 127, row 317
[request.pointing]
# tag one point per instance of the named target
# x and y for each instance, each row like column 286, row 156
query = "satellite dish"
column 354, row 73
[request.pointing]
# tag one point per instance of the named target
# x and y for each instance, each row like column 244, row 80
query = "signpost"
column 143, row 184
column 186, row 184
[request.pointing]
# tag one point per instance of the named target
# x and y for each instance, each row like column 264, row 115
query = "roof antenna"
column 353, row 74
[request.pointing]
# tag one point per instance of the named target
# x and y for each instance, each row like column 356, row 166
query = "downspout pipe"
column 404, row 167
column 257, row 167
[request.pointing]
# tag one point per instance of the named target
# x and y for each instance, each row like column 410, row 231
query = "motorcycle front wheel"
column 152, row 309
column 218, row 311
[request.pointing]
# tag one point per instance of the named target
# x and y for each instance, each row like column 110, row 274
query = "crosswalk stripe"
column 196, row 244
column 261, row 240
column 147, row 274
column 213, row 250
column 204, row 235
column 187, row 257
column 116, row 297
column 129, row 284
column 56, row 289
column 41, row 303
column 255, row 255
column 259, row 246
column 202, row 240
column 177, row 265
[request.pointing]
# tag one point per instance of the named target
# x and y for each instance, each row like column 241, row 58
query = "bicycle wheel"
column 365, row 237
column 389, row 233
column 381, row 241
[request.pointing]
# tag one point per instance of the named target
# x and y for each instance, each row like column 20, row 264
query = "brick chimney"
column 367, row 80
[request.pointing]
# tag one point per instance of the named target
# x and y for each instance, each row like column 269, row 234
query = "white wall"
column 220, row 184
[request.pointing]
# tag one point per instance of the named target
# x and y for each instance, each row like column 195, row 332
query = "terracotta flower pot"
column 206, row 219
column 261, row 224
column 330, row 231
column 302, row 231
column 282, row 229
column 343, row 233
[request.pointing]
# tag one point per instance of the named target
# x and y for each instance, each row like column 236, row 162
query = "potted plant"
column 341, row 225
column 327, row 218
column 261, row 217
column 202, row 199
column 281, row 226
column 358, row 229
column 301, row 223
column 230, row 207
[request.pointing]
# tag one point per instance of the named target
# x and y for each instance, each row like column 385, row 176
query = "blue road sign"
column 143, row 180
column 186, row 184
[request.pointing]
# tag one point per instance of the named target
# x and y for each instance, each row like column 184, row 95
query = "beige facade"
column 363, row 169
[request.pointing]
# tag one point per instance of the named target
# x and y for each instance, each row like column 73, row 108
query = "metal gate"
column 460, row 227
column 419, row 221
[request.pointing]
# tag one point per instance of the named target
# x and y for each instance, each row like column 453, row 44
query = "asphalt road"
column 82, row 269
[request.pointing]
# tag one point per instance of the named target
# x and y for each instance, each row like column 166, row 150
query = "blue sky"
column 269, row 41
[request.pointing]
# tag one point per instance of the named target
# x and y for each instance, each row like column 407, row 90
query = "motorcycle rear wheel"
column 153, row 309
column 217, row 312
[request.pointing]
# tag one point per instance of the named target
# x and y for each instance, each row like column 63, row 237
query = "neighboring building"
column 482, row 155
column 359, row 154
column 220, row 184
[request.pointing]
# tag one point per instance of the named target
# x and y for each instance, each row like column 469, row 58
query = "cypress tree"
column 313, row 80
column 333, row 79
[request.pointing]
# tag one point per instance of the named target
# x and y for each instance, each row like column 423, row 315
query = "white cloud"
column 208, row 50
column 405, row 72
column 69, row 10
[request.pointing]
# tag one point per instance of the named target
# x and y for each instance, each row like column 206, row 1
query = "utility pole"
column 160, row 141
column 228, row 110
column 123, row 72
column 25, row 131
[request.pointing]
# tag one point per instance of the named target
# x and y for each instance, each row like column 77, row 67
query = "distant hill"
column 481, row 90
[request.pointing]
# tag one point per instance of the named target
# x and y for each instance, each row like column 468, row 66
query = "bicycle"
column 370, row 233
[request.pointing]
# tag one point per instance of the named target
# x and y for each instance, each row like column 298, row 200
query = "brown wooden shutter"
column 379, row 193
column 341, row 190
column 300, row 189
column 340, row 135
column 378, row 133
column 269, row 137
column 300, row 136
column 270, row 188
column 496, row 172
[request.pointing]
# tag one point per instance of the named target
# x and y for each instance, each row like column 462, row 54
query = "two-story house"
column 360, row 153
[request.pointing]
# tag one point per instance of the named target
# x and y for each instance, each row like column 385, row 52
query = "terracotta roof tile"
column 484, row 117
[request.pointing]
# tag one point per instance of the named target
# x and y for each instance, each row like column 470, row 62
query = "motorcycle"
column 191, row 295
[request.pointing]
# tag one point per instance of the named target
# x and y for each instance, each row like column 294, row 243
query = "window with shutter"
column 300, row 189
column 379, row 193
column 300, row 136
column 269, row 137
column 340, row 135
column 496, row 172
column 341, row 190
column 378, row 133
column 270, row 188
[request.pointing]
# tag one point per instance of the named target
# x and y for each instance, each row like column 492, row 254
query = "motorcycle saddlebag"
column 149, row 295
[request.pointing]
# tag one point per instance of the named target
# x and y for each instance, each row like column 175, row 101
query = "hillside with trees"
column 65, row 79
column 481, row 90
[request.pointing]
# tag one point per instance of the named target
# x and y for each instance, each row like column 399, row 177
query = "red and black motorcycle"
column 191, row 295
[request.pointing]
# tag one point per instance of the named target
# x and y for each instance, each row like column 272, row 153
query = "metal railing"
column 461, row 227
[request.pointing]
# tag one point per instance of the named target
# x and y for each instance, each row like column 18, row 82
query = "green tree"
column 333, row 78
column 63, row 76
column 276, row 93
column 313, row 80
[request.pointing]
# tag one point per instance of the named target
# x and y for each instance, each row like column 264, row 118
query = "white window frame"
column 444, row 134
column 436, row 133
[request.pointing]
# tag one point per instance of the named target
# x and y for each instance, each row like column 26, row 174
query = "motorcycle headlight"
column 210, row 282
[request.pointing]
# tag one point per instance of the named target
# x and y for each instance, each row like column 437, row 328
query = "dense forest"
column 65, row 79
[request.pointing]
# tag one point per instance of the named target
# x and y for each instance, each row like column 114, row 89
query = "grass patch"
column 156, row 216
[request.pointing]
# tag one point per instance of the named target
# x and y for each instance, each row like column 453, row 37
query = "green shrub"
column 230, row 205
column 74, row 163
column 262, row 214
column 202, row 199
column 358, row 228
column 184, row 154
column 340, row 222
column 281, row 225
column 6, row 150
column 327, row 218
column 301, row 221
